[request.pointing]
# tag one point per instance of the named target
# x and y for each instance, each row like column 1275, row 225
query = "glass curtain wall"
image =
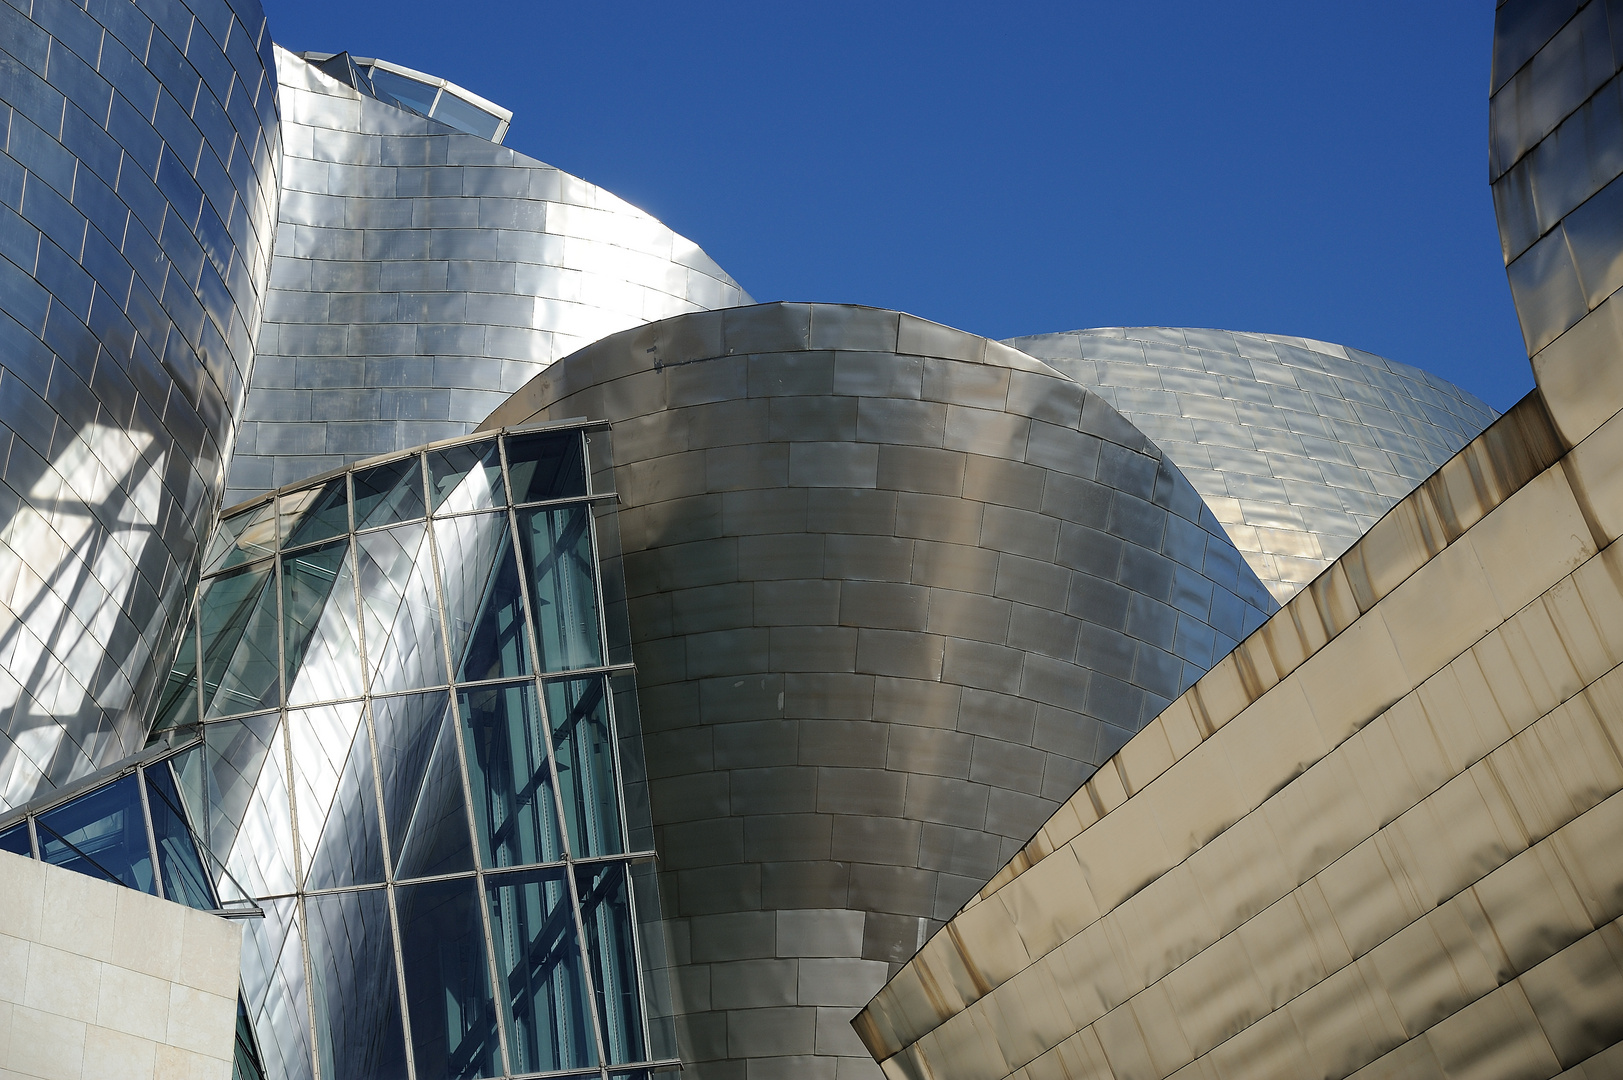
column 416, row 742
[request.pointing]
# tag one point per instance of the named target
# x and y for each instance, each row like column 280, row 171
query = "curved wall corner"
column 422, row 275
column 895, row 592
column 138, row 194
column 1298, row 446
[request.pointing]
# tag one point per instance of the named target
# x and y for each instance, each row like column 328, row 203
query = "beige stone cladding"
column 100, row 981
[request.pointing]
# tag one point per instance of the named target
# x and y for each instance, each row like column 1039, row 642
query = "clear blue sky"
column 1295, row 168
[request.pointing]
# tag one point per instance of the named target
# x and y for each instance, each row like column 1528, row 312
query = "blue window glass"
column 15, row 840
column 538, row 962
column 103, row 834
column 465, row 477
column 185, row 881
column 513, row 805
column 357, row 1002
column 318, row 513
column 546, row 466
column 414, row 95
column 237, row 614
column 557, row 555
column 389, row 493
column 453, row 1019
column 605, row 912
column 583, row 742
column 484, row 607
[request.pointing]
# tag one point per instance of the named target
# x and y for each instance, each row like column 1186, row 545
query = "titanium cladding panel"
column 1298, row 446
column 423, row 274
column 895, row 591
column 138, row 189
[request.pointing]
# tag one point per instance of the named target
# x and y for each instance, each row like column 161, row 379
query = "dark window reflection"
column 484, row 607
column 103, row 834
column 512, row 785
column 237, row 613
column 389, row 493
column 583, row 741
column 185, row 881
column 422, row 785
column 359, row 1035
column 605, row 912
column 453, row 1020
column 242, row 538
column 548, row 466
column 15, row 840
column 178, row 703
column 538, row 960
column 466, row 477
column 558, row 557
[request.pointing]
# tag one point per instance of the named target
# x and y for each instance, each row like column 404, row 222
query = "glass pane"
column 322, row 650
column 250, row 822
column 357, row 1001
column 242, row 538
column 178, row 705
column 185, row 881
column 465, row 116
column 605, row 912
column 102, row 833
column 237, row 613
column 343, row 810
column 558, row 557
column 416, row 96
column 548, row 466
column 422, row 785
column 402, row 614
column 389, row 493
column 453, row 1020
column 317, row 513
column 273, row 988
column 466, row 477
column 245, row 1063
column 15, row 840
column 484, row 607
column 583, row 741
column 538, row 964
column 513, row 806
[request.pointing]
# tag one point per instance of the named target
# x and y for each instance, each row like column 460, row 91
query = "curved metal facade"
column 1298, row 446
column 423, row 274
column 138, row 192
column 414, row 745
column 895, row 591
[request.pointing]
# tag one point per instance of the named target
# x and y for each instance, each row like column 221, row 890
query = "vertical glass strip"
column 349, row 850
column 237, row 616
column 397, row 600
column 273, row 986
column 453, row 1020
column 177, row 705
column 321, row 647
column 558, row 557
column 583, row 741
column 250, row 823
column 185, row 881
column 514, row 810
column 538, row 959
column 359, row 1034
column 422, row 785
column 605, row 913
column 484, row 607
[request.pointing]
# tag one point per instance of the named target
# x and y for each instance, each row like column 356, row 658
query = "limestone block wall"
column 100, row 981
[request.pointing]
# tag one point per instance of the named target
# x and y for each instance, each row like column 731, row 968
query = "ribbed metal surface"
column 1298, row 446
column 895, row 591
column 138, row 194
column 423, row 274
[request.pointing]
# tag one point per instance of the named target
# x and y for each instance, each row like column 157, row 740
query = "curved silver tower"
column 895, row 592
column 1298, row 446
column 138, row 189
column 423, row 274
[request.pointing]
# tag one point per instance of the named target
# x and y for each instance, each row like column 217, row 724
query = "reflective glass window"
column 317, row 513
column 185, row 881
column 322, row 647
column 357, row 1001
column 237, row 614
column 242, row 538
column 605, row 913
column 422, row 785
column 402, row 616
column 538, row 964
column 513, row 806
column 245, row 1063
column 15, row 840
column 546, row 466
column 484, row 606
column 102, row 833
column 386, row 494
column 417, row 96
column 453, row 1019
column 178, row 704
column 273, row 987
column 465, row 116
column 557, row 553
column 583, row 741
column 336, row 800
column 250, row 823
column 465, row 477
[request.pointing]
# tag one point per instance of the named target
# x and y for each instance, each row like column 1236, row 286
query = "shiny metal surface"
column 139, row 156
column 405, row 709
column 1297, row 446
column 423, row 274
column 895, row 591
